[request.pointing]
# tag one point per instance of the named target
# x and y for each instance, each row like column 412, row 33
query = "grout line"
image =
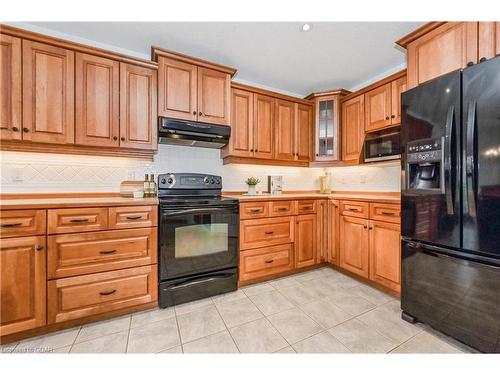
column 227, row 328
column 178, row 330
column 76, row 336
column 128, row 333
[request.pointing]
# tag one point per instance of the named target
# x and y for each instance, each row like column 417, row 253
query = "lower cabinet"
column 305, row 241
column 323, row 229
column 333, row 231
column 266, row 261
column 23, row 281
column 354, row 242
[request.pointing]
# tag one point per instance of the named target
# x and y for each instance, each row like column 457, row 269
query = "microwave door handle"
column 447, row 167
column 469, row 161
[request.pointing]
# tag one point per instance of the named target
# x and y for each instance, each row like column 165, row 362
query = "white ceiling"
column 274, row 54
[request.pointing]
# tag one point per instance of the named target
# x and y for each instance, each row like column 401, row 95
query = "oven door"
column 382, row 147
column 197, row 239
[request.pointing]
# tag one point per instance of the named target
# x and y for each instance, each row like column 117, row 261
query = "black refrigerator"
column 450, row 205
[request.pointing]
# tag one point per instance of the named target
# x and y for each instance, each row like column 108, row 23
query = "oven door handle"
column 197, row 210
column 201, row 280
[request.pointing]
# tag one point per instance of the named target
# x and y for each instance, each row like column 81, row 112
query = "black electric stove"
column 198, row 245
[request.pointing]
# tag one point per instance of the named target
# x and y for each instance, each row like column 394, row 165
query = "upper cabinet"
column 242, row 124
column 303, row 132
column 438, row 48
column 263, row 126
column 398, row 86
column 193, row 89
column 353, row 128
column 48, row 93
column 285, row 130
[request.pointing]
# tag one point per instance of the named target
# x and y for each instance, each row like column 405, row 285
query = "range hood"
column 190, row 133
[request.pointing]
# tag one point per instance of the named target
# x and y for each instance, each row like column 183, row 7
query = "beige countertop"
column 74, row 202
column 361, row 196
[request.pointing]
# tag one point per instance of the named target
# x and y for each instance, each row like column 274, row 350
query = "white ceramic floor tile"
column 103, row 328
column 284, row 282
column 151, row 316
column 351, row 303
column 300, row 294
column 229, row 297
column 200, row 323
column 258, row 337
column 193, row 306
column 373, row 295
column 287, row 350
column 294, row 325
column 253, row 290
column 271, row 302
column 115, row 343
column 325, row 313
column 321, row 343
column 425, row 342
column 154, row 337
column 238, row 312
column 174, row 350
column 48, row 342
column 221, row 343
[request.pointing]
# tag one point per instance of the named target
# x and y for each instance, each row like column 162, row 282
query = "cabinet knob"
column 200, row 113
column 317, row 154
column 470, row 63
column 194, row 112
column 122, row 138
column 26, row 130
column 365, row 226
column 251, row 150
column 38, row 247
column 15, row 129
column 387, row 117
column 115, row 138
column 482, row 59
column 393, row 116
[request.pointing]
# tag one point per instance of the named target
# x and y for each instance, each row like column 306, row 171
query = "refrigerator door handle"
column 450, row 121
column 469, row 160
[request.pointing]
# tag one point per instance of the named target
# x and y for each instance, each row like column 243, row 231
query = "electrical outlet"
column 17, row 174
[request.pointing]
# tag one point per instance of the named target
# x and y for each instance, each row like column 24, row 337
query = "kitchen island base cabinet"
column 305, row 241
column 23, row 278
column 354, row 242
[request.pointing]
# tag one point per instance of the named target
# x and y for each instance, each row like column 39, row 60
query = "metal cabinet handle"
column 365, row 226
column 388, row 213
column 107, row 252
column 38, row 247
column 282, row 208
column 122, row 138
column 107, row 293
column 194, row 112
column 79, row 220
column 255, row 209
column 353, row 209
column 393, row 116
column 15, row 129
column 133, row 217
column 270, row 232
column 269, row 261
column 10, row 225
column 307, row 207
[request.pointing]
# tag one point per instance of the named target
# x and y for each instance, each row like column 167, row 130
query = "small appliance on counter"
column 275, row 185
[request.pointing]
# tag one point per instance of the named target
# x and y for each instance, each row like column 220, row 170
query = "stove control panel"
column 192, row 181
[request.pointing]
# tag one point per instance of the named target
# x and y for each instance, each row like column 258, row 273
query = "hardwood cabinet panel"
column 323, row 229
column 306, row 206
column 303, row 132
column 354, row 209
column 138, row 111
column 266, row 232
column 305, row 241
column 398, row 86
column 378, row 108
column 10, row 88
column 177, row 89
column 213, row 96
column 16, row 223
column 284, row 133
column 266, row 261
column 353, row 128
column 489, row 40
column 83, row 253
column 385, row 254
column 263, row 126
column 334, row 231
column 77, row 297
column 48, row 93
column 23, row 282
column 97, row 96
column 354, row 245
column 254, row 210
column 242, row 124
column 327, row 132
column 132, row 217
column 72, row 220
column 283, row 208
column 385, row 212
column 446, row 48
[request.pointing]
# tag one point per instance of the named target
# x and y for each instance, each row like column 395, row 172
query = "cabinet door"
column 303, row 132
column 442, row 50
column 489, row 40
column 23, row 283
column 385, row 254
column 398, row 86
column 48, row 93
column 138, row 107
column 327, row 143
column 353, row 128
column 333, row 231
column 242, row 124
column 354, row 244
column 97, row 95
column 213, row 96
column 378, row 108
column 177, row 86
column 284, row 130
column 10, row 87
column 305, row 241
column 263, row 126
column 322, row 230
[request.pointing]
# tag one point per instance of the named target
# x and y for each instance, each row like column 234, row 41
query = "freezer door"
column 430, row 139
column 481, row 158
column 454, row 295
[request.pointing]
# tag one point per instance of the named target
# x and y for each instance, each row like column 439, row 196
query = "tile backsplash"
column 33, row 172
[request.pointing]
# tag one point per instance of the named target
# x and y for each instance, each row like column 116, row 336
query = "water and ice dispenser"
column 425, row 165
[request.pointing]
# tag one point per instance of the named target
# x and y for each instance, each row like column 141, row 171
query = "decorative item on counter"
column 324, row 184
column 138, row 194
column 153, row 189
column 252, row 182
column 146, row 186
column 275, row 185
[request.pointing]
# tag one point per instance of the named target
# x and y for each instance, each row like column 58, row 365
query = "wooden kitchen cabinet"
column 284, row 133
column 378, row 108
column 323, row 230
column 10, row 88
column 333, row 231
column 263, row 126
column 48, row 93
column 398, row 86
column 489, row 40
column 264, row 262
column 354, row 245
column 303, row 132
column 242, row 124
column 138, row 107
column 305, row 240
column 97, row 98
column 214, row 89
column 353, row 128
column 385, row 259
column 23, row 284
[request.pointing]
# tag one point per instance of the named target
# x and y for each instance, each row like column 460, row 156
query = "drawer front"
column 15, row 223
column 354, row 209
column 84, row 253
column 132, row 217
column 265, row 262
column 306, row 207
column 81, row 296
column 283, row 208
column 385, row 212
column 254, row 210
column 71, row 220
column 266, row 232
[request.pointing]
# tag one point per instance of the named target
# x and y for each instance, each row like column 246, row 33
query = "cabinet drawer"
column 266, row 261
column 14, row 223
column 385, row 212
column 354, row 209
column 81, row 296
column 83, row 253
column 249, row 210
column 283, row 208
column 266, row 232
column 71, row 220
column 132, row 217
column 306, row 207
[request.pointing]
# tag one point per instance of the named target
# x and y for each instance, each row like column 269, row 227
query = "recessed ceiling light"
column 306, row 27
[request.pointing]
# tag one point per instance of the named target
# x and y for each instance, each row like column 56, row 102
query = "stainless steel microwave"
column 379, row 147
